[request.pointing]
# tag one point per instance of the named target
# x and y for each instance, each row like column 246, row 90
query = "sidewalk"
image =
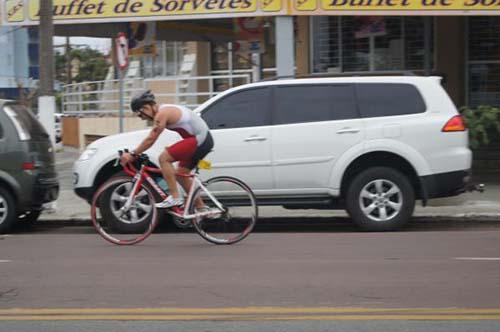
column 470, row 205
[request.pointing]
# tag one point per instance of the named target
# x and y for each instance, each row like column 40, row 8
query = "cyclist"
column 196, row 142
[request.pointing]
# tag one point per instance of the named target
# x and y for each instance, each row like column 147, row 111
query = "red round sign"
column 121, row 44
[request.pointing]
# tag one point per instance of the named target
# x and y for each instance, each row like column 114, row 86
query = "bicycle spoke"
column 237, row 219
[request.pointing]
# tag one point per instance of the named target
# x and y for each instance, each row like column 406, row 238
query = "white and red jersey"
column 189, row 125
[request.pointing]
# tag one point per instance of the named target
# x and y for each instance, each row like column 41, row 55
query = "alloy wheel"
column 381, row 200
column 140, row 209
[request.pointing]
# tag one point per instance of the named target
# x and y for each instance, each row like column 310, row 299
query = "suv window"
column 1, row 131
column 311, row 103
column 388, row 99
column 247, row 108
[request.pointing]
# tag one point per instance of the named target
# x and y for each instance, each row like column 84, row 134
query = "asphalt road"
column 308, row 280
column 293, row 274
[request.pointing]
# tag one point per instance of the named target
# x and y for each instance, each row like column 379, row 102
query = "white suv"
column 370, row 145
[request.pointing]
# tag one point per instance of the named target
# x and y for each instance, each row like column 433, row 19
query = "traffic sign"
column 121, row 44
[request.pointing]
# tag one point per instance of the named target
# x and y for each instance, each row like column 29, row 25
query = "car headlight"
column 87, row 154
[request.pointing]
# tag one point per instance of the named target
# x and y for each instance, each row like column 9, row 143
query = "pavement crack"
column 9, row 294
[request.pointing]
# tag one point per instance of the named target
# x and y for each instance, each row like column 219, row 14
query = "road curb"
column 304, row 220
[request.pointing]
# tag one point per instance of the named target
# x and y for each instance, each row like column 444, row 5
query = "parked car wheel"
column 7, row 211
column 113, row 199
column 380, row 199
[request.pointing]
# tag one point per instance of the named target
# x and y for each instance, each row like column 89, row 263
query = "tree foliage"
column 93, row 65
column 482, row 122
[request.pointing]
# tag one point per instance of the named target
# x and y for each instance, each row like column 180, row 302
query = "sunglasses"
column 141, row 114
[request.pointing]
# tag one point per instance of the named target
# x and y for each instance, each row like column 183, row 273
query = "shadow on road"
column 277, row 225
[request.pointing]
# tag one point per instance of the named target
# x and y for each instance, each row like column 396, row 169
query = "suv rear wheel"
column 7, row 210
column 380, row 199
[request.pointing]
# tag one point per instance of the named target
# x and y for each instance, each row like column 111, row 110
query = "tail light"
column 456, row 123
column 28, row 166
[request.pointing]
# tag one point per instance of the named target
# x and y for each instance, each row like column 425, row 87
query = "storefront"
column 483, row 61
column 459, row 40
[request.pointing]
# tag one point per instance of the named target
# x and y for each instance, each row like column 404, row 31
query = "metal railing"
column 102, row 97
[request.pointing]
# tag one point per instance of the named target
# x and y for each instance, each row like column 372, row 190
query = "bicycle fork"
column 133, row 193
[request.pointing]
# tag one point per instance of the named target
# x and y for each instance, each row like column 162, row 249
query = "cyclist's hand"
column 126, row 158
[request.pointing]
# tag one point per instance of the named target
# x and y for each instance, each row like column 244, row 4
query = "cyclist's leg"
column 186, row 182
column 168, row 172
column 180, row 151
column 188, row 165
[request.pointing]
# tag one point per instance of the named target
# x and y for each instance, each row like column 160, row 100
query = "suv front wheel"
column 380, row 199
column 7, row 210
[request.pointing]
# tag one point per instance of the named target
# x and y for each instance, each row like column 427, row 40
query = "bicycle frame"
column 139, row 176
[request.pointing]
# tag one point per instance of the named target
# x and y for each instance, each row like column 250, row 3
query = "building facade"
column 459, row 40
column 18, row 60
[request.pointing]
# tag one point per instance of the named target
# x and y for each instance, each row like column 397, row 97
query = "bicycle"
column 228, row 215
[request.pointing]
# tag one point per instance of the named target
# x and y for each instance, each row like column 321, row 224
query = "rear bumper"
column 45, row 191
column 445, row 184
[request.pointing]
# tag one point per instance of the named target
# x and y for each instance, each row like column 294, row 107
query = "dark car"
column 28, row 178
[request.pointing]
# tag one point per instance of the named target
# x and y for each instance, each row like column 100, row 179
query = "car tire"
column 380, row 199
column 7, row 211
column 118, row 225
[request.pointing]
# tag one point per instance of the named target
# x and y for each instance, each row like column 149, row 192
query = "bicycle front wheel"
column 229, row 213
column 118, row 222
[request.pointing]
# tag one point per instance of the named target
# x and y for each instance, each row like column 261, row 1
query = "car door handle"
column 348, row 131
column 255, row 138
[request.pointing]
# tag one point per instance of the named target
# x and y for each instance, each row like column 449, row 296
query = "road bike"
column 222, row 210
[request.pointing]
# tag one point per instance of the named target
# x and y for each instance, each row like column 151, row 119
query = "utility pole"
column 46, row 61
column 69, row 79
column 46, row 99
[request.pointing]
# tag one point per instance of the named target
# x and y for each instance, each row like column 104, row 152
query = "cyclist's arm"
column 159, row 123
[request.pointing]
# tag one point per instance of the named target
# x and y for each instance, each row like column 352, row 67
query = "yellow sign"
column 406, row 6
column 91, row 9
column 271, row 5
column 306, row 5
column 26, row 12
column 14, row 10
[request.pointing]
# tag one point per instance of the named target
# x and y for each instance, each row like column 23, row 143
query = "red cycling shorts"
column 183, row 151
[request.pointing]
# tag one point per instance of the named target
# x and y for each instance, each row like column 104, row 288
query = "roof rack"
column 349, row 74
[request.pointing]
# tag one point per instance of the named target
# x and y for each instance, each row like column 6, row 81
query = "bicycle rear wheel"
column 231, row 210
column 117, row 224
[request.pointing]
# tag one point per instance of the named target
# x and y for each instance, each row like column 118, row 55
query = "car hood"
column 132, row 139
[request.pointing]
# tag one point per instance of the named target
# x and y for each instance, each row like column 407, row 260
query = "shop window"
column 483, row 63
column 169, row 58
column 369, row 43
column 414, row 43
column 355, row 48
